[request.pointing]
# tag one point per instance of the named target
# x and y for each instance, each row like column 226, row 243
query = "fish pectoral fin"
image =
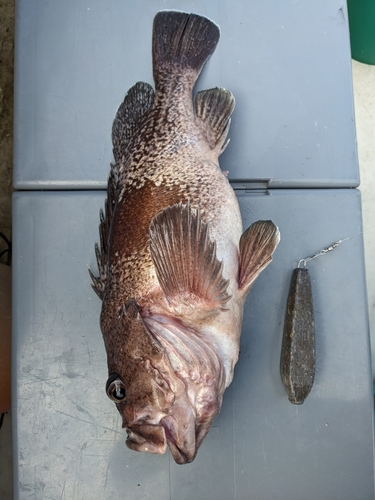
column 185, row 259
column 257, row 245
column 212, row 111
column 137, row 102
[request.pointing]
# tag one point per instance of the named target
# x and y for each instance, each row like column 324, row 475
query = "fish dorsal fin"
column 185, row 259
column 98, row 283
column 135, row 105
column 257, row 245
column 212, row 110
column 181, row 42
column 127, row 122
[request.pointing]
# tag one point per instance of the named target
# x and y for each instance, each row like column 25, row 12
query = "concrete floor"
column 364, row 97
column 364, row 102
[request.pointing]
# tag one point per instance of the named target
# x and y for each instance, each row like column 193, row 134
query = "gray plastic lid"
column 287, row 63
column 68, row 441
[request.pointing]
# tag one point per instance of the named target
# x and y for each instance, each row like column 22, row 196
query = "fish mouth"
column 155, row 438
column 150, row 438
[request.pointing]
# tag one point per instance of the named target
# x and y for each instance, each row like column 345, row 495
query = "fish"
column 174, row 265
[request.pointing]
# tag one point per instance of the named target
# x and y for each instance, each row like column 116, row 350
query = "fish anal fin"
column 213, row 109
column 184, row 256
column 257, row 245
column 136, row 104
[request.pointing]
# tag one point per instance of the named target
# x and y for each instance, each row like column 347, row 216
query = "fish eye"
column 115, row 389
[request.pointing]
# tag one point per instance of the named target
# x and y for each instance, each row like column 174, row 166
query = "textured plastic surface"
column 287, row 63
column 68, row 441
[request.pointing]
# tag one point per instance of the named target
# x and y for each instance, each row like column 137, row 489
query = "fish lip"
column 180, row 456
column 138, row 442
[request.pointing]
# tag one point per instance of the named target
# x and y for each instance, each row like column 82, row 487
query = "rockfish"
column 174, row 266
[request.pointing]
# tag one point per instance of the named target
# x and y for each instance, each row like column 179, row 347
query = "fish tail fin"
column 182, row 43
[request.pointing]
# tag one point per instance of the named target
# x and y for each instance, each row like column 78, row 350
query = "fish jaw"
column 176, row 431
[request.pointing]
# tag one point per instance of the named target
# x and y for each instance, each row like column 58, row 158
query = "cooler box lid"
column 287, row 63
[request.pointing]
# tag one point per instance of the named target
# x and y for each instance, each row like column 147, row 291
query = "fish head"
column 151, row 399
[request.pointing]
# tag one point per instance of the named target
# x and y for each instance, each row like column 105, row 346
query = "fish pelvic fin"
column 212, row 112
column 184, row 256
column 181, row 42
column 257, row 245
column 101, row 252
column 129, row 116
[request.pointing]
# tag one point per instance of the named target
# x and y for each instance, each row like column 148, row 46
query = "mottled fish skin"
column 174, row 268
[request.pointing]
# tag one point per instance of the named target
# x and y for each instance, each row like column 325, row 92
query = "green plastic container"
column 362, row 30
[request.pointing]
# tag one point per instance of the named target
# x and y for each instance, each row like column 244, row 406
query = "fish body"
column 174, row 264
